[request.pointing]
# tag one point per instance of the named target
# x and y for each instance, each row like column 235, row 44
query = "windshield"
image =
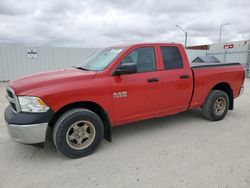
column 100, row 59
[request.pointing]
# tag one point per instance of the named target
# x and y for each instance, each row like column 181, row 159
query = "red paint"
column 228, row 46
column 144, row 100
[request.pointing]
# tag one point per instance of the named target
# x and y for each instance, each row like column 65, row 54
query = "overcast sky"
column 93, row 23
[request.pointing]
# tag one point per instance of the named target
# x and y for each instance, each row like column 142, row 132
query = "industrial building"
column 238, row 51
column 18, row 60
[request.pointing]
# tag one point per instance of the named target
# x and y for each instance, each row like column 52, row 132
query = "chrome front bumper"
column 28, row 134
column 27, row 128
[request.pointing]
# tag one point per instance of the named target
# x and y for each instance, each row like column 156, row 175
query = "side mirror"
column 126, row 68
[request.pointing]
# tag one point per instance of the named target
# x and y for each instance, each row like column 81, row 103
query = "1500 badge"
column 120, row 94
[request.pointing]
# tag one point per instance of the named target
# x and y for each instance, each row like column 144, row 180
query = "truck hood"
column 28, row 84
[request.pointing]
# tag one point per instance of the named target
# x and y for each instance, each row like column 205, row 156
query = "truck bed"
column 203, row 64
column 207, row 75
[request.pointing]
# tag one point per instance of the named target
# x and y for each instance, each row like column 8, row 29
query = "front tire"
column 78, row 132
column 216, row 105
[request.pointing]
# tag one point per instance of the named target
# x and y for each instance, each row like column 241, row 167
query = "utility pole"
column 185, row 34
column 221, row 26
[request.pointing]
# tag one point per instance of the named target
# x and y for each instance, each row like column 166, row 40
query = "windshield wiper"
column 81, row 68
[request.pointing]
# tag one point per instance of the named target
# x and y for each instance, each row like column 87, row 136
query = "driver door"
column 137, row 95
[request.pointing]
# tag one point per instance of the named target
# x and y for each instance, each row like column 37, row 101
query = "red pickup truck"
column 115, row 86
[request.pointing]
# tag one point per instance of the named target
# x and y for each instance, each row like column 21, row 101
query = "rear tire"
column 216, row 105
column 78, row 132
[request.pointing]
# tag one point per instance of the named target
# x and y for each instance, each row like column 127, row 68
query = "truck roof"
column 146, row 44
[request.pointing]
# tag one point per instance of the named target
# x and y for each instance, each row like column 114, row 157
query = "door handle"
column 153, row 80
column 184, row 76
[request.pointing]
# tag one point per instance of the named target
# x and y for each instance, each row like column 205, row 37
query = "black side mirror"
column 126, row 68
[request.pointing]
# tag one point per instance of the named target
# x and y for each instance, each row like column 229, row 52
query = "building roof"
column 207, row 59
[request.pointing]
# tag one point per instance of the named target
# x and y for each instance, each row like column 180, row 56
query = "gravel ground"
column 183, row 150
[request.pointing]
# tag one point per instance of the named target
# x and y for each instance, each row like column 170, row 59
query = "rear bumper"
column 241, row 90
column 28, row 134
column 27, row 128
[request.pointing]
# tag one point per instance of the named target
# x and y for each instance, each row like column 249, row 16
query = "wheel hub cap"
column 80, row 135
column 220, row 106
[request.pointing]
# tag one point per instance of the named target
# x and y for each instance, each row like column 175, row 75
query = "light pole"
column 185, row 34
column 221, row 26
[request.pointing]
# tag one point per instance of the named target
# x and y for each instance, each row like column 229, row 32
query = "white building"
column 17, row 60
column 238, row 51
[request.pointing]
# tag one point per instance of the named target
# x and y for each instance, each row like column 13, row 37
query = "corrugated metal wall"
column 226, row 52
column 14, row 61
column 238, row 51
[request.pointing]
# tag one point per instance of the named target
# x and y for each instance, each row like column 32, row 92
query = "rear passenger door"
column 176, row 79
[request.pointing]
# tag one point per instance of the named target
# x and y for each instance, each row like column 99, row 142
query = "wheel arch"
column 224, row 86
column 96, row 108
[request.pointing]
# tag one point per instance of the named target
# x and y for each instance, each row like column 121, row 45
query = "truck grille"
column 11, row 97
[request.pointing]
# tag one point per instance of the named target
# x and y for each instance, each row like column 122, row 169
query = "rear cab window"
column 171, row 57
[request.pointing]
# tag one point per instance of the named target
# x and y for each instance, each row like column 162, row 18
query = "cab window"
column 171, row 57
column 143, row 57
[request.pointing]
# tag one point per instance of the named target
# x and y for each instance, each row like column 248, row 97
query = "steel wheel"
column 220, row 106
column 80, row 135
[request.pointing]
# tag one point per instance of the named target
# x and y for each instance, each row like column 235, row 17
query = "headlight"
column 32, row 104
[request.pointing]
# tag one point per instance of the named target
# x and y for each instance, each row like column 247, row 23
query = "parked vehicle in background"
column 115, row 86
